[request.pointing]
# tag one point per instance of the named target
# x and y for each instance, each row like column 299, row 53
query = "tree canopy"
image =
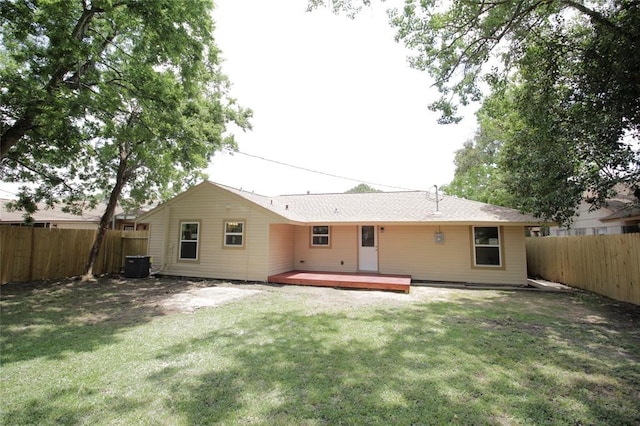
column 567, row 69
column 478, row 175
column 117, row 101
column 361, row 189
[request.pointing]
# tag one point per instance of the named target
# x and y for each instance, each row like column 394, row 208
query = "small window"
column 580, row 231
column 189, row 237
column 320, row 236
column 234, row 234
column 486, row 245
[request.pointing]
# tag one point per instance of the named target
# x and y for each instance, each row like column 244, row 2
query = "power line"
column 8, row 192
column 320, row 172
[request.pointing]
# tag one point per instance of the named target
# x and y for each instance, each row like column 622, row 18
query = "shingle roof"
column 45, row 214
column 621, row 210
column 383, row 207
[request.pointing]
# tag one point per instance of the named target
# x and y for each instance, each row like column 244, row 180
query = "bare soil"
column 175, row 294
column 170, row 295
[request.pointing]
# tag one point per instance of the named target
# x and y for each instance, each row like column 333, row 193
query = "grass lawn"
column 117, row 352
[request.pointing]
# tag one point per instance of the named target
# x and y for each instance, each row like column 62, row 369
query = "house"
column 46, row 217
column 215, row 231
column 618, row 216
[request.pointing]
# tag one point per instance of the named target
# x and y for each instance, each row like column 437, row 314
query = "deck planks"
column 345, row 280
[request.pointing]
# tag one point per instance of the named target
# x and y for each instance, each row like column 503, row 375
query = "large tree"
column 478, row 175
column 573, row 65
column 106, row 100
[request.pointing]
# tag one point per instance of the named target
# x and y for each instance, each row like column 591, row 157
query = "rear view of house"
column 214, row 231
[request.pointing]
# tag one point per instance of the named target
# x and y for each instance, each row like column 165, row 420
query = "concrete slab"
column 548, row 285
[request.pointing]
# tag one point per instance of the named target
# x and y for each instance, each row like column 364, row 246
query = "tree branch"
column 57, row 180
column 596, row 17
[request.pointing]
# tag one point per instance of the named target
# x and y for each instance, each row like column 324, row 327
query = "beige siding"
column 413, row 250
column 587, row 222
column 341, row 256
column 272, row 246
column 281, row 248
column 156, row 238
column 210, row 207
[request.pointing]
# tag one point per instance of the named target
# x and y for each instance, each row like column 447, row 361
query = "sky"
column 329, row 94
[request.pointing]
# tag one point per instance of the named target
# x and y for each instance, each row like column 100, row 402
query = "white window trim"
column 328, row 235
column 224, row 241
column 499, row 246
column 197, row 241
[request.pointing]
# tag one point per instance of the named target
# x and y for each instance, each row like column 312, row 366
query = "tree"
column 361, row 189
column 478, row 175
column 110, row 100
column 578, row 137
column 573, row 67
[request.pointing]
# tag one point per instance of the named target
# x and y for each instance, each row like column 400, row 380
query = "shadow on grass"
column 516, row 358
column 466, row 362
column 58, row 408
column 49, row 319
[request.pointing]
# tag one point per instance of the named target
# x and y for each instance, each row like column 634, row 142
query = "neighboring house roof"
column 381, row 207
column 622, row 210
column 47, row 214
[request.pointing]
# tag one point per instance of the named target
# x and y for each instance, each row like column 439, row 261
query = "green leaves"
column 101, row 91
column 564, row 95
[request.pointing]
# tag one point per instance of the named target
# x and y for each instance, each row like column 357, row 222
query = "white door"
column 368, row 249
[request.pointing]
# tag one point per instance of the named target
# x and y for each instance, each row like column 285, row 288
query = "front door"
column 368, row 251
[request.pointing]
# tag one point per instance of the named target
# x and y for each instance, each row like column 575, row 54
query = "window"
column 580, row 231
column 486, row 246
column 320, row 236
column 234, row 234
column 600, row 231
column 189, row 234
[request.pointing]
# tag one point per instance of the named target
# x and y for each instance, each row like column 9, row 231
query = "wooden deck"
column 345, row 280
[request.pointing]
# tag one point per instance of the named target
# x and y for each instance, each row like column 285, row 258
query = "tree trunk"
column 13, row 134
column 121, row 179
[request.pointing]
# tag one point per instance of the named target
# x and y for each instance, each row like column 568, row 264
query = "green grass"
column 75, row 353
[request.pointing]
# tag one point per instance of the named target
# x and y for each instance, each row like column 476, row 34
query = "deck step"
column 345, row 280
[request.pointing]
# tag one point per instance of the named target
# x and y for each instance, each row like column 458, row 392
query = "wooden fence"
column 604, row 264
column 28, row 254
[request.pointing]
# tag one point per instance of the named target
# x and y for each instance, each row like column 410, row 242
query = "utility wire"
column 319, row 172
column 8, row 192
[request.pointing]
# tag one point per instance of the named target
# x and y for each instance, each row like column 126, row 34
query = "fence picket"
column 604, row 264
column 41, row 253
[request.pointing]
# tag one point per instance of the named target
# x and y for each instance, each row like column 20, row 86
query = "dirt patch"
column 167, row 295
column 196, row 295
column 119, row 298
column 196, row 298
